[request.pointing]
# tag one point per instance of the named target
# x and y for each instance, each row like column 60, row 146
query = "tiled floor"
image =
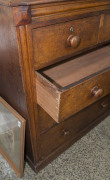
column 87, row 159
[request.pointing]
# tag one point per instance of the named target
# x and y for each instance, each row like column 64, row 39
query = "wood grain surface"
column 79, row 68
column 50, row 42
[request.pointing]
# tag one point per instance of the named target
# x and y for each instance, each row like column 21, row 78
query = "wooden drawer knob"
column 104, row 105
column 97, row 92
column 73, row 41
column 66, row 133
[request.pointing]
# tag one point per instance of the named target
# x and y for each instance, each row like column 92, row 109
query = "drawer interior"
column 66, row 88
column 79, row 68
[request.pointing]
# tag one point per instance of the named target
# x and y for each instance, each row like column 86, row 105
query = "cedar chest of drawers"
column 55, row 70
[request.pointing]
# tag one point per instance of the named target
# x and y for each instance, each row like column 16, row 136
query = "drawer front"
column 72, row 127
column 84, row 94
column 51, row 43
column 104, row 33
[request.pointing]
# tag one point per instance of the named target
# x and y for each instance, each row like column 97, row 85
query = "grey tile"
column 87, row 159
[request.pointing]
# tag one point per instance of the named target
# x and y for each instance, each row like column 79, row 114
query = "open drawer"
column 67, row 88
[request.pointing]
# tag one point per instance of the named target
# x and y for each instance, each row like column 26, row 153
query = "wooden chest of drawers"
column 55, row 70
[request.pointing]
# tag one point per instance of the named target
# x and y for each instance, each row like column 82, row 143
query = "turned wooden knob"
column 97, row 92
column 66, row 133
column 73, row 41
column 104, row 105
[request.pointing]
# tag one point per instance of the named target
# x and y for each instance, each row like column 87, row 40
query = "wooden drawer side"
column 48, row 96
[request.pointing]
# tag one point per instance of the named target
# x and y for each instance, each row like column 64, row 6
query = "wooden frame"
column 19, row 171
